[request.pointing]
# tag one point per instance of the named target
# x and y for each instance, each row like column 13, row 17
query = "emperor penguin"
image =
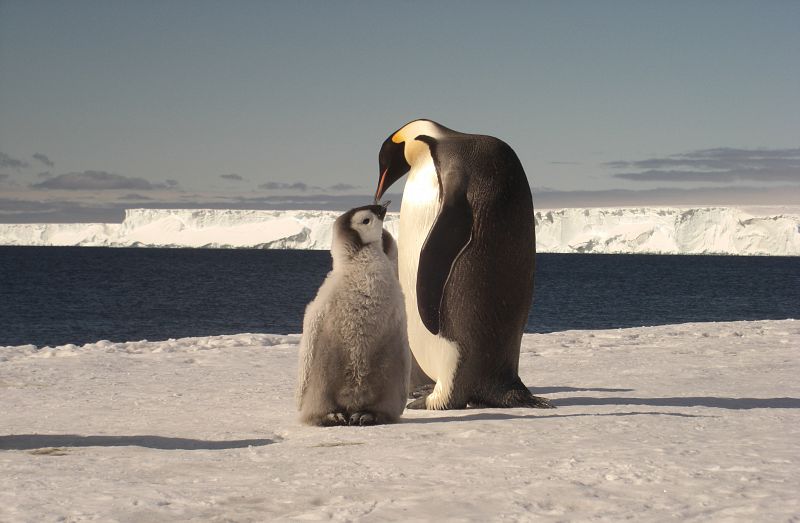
column 465, row 261
column 354, row 356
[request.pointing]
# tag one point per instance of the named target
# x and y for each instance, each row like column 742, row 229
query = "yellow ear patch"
column 398, row 137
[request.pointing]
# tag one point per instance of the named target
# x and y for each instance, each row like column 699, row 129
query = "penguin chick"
column 354, row 356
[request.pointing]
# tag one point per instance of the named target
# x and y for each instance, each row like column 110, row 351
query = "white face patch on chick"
column 356, row 229
column 368, row 226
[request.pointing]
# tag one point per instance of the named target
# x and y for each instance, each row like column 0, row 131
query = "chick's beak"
column 383, row 208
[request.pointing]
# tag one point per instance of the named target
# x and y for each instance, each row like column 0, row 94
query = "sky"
column 107, row 105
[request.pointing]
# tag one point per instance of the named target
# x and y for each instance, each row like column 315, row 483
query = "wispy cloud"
column 39, row 207
column 11, row 163
column 342, row 187
column 29, row 211
column 44, row 159
column 281, row 186
column 232, row 177
column 304, row 187
column 134, row 197
column 36, row 206
column 720, row 165
column 669, row 196
column 100, row 181
column 3, row 177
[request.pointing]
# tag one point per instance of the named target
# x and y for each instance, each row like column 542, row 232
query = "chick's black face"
column 392, row 165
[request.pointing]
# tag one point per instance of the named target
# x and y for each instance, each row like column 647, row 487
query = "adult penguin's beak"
column 381, row 189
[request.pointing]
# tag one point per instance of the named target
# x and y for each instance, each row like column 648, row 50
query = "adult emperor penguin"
column 466, row 262
column 354, row 357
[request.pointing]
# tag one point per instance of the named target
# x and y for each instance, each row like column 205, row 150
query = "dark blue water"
column 55, row 295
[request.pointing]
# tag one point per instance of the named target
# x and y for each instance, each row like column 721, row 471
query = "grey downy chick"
column 354, row 356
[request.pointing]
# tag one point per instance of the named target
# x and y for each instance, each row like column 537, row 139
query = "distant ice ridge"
column 210, row 228
column 663, row 230
column 657, row 230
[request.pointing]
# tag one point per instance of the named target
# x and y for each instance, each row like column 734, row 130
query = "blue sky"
column 106, row 105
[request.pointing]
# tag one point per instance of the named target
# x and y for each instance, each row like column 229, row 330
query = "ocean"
column 60, row 295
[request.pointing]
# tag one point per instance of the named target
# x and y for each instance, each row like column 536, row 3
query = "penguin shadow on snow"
column 497, row 416
column 43, row 441
column 536, row 391
column 575, row 401
column 687, row 401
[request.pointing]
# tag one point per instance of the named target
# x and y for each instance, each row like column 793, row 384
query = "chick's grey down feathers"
column 354, row 355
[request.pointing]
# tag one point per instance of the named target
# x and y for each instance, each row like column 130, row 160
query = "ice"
column 655, row 230
column 691, row 422
column 711, row 230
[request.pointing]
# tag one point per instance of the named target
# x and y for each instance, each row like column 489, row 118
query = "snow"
column 691, row 422
column 652, row 230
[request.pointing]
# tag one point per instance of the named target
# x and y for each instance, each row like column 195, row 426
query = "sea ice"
column 692, row 422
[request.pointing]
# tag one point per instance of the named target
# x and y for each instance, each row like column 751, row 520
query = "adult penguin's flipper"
column 447, row 239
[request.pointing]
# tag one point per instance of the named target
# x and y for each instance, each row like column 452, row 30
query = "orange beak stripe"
column 382, row 181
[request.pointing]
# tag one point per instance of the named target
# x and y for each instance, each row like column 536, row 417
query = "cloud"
column 340, row 187
column 27, row 211
column 44, row 159
column 46, row 174
column 59, row 212
column 37, row 207
column 668, row 196
column 304, row 187
column 7, row 181
column 281, row 186
column 720, row 165
column 232, row 177
column 99, row 181
column 726, row 176
column 134, row 196
column 329, row 202
column 12, row 163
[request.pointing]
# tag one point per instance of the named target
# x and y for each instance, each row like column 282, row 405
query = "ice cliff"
column 661, row 230
column 712, row 230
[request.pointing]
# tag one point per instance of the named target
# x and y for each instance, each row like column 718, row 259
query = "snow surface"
column 693, row 422
column 655, row 230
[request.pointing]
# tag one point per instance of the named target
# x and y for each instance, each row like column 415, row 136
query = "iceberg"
column 633, row 230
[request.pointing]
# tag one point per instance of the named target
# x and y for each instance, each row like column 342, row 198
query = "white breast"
column 437, row 356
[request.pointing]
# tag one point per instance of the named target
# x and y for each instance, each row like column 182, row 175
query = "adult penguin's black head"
column 404, row 148
column 392, row 164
